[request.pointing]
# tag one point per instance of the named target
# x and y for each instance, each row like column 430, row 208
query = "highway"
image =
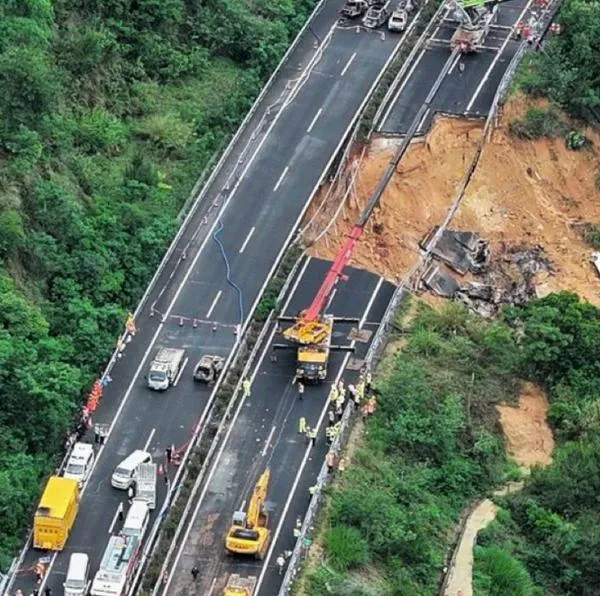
column 193, row 303
column 264, row 433
column 468, row 90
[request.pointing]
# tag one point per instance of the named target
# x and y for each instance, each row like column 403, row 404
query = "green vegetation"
column 553, row 526
column 538, row 124
column 568, row 70
column 434, row 446
column 109, row 111
column 430, row 449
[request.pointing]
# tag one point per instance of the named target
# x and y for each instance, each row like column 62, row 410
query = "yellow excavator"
column 248, row 534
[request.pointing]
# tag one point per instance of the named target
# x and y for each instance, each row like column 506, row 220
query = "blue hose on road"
column 228, row 269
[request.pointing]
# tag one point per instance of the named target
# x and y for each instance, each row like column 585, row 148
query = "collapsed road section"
column 202, row 301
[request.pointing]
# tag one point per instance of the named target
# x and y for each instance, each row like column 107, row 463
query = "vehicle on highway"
column 313, row 358
column 80, row 463
column 136, row 522
column 248, row 534
column 124, row 475
column 164, row 368
column 76, row 581
column 208, row 368
column 377, row 15
column 56, row 513
column 398, row 20
column 145, row 483
column 117, row 568
column 354, row 8
column 240, row 586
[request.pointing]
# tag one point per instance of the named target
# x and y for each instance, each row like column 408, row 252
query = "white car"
column 80, row 462
column 398, row 21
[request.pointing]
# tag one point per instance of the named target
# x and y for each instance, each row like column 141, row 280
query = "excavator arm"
column 259, row 496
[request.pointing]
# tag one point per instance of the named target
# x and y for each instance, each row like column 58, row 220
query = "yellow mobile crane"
column 248, row 534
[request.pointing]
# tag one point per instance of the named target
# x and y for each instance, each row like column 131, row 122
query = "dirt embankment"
column 523, row 192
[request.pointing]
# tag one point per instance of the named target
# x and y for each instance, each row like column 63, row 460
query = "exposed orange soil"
column 528, row 436
column 523, row 192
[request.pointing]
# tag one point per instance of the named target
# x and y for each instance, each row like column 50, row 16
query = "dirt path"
column 459, row 583
column 530, row 443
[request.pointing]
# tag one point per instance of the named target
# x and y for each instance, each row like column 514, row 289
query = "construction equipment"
column 474, row 21
column 248, row 534
column 240, row 586
column 209, row 368
column 377, row 15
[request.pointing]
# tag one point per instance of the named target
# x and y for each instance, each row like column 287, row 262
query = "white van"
column 80, row 462
column 76, row 583
column 123, row 476
column 137, row 519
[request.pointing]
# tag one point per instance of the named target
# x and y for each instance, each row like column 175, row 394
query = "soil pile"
column 523, row 193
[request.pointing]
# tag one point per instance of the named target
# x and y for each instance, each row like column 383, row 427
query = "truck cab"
column 164, row 368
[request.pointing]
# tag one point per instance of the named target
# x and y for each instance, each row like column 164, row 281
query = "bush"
column 500, row 574
column 346, row 548
column 538, row 124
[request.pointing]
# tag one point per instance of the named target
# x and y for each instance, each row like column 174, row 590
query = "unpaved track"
column 460, row 583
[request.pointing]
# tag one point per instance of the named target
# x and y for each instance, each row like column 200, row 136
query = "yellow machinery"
column 239, row 586
column 313, row 352
column 249, row 534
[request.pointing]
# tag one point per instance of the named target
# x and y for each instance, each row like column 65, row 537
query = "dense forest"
column 109, row 111
column 434, row 446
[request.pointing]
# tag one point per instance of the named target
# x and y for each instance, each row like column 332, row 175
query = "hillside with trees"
column 109, row 112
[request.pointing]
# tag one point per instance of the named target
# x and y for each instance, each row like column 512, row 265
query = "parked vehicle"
column 77, row 581
column 164, row 368
column 80, row 463
column 56, row 513
column 124, row 475
column 398, row 20
column 118, row 566
column 145, row 483
column 208, row 368
column 136, row 522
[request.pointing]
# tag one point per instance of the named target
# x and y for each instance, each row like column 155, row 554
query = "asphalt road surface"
column 467, row 90
column 264, row 433
column 195, row 306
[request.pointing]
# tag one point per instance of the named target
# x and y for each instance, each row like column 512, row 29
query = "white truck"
column 164, row 368
column 145, row 484
column 117, row 567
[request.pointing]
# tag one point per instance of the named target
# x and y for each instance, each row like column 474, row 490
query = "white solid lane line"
column 348, row 64
column 246, row 241
column 495, row 60
column 309, row 448
column 215, row 465
column 314, row 120
column 149, row 439
column 281, row 178
column 180, row 373
column 264, row 451
column 114, row 519
column 214, row 302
